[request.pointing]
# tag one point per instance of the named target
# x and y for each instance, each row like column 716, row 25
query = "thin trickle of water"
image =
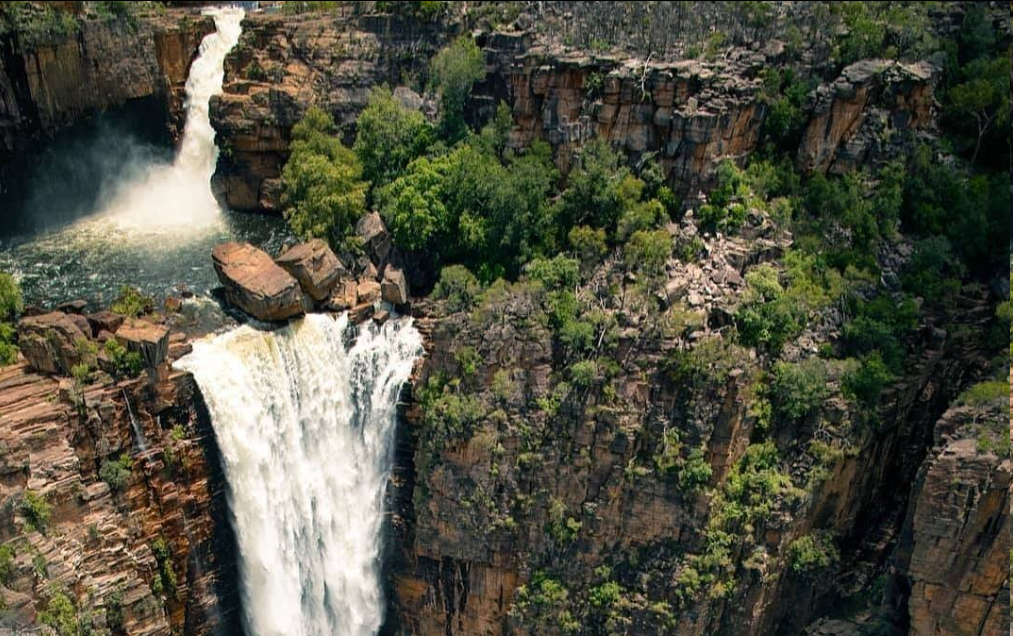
column 142, row 442
column 305, row 424
column 178, row 195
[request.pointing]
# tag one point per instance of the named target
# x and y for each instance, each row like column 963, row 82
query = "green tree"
column 453, row 71
column 323, row 189
column 388, row 137
column 983, row 98
column 599, row 189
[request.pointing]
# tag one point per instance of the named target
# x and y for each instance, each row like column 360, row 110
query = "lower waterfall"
column 305, row 422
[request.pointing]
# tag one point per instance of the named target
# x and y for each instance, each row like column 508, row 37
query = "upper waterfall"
column 178, row 196
column 305, row 424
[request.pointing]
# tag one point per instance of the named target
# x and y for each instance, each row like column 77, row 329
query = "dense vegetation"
column 586, row 259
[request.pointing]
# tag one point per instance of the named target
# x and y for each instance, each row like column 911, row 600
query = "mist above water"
column 143, row 217
column 177, row 196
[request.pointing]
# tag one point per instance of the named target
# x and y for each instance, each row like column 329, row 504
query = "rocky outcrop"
column 516, row 478
column 111, row 496
column 285, row 64
column 690, row 114
column 851, row 114
column 957, row 535
column 50, row 342
column 255, row 284
column 146, row 338
column 314, row 265
column 103, row 64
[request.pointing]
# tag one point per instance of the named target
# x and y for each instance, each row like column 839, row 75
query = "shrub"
column 388, row 137
column 767, row 317
column 61, row 615
column 588, row 244
column 125, row 364
column 459, row 287
column 7, row 555
column 453, row 71
column 8, row 348
column 812, row 552
column 865, row 383
column 648, row 251
column 11, row 302
column 131, row 302
column 116, row 472
column 583, row 373
column 323, row 189
column 563, row 528
column 36, row 511
column 798, row 389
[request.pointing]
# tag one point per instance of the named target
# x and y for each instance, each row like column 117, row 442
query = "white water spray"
column 306, row 425
column 178, row 196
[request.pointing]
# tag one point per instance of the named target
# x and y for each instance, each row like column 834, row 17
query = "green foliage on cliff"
column 798, row 389
column 36, row 511
column 131, row 302
column 34, row 24
column 453, row 71
column 459, row 287
column 116, row 472
column 7, row 555
column 324, row 194
column 473, row 206
column 125, row 364
column 543, row 603
column 11, row 306
column 388, row 137
column 812, row 552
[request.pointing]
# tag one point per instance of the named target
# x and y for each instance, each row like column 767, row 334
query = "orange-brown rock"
column 314, row 265
column 98, row 543
column 146, row 338
column 255, row 283
column 50, row 342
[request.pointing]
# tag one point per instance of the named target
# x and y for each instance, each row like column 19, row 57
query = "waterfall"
column 177, row 196
column 306, row 423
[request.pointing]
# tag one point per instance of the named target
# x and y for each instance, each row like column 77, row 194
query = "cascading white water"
column 305, row 425
column 178, row 196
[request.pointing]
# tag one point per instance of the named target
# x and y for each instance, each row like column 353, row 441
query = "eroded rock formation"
column 112, row 497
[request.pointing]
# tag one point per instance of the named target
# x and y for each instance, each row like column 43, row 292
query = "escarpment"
column 530, row 500
column 689, row 114
column 113, row 499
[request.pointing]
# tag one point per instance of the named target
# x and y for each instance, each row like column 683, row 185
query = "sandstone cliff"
column 103, row 64
column 542, row 508
column 690, row 113
column 112, row 497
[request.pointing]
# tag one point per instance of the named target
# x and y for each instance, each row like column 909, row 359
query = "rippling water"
column 92, row 258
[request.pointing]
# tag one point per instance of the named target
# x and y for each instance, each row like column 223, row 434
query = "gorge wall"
column 104, row 64
column 113, row 496
column 691, row 113
column 583, row 489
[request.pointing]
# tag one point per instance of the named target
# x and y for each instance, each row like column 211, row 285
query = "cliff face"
column 691, row 113
column 956, row 537
column 543, row 509
column 139, row 545
column 284, row 65
column 105, row 64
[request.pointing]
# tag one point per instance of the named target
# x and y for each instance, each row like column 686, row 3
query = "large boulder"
column 314, row 265
column 104, row 321
column 255, row 283
column 50, row 342
column 394, row 287
column 146, row 338
column 376, row 239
